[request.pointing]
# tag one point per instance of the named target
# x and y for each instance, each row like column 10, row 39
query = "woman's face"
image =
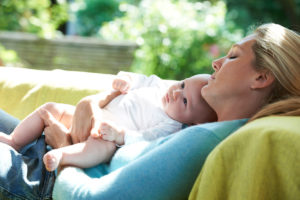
column 233, row 75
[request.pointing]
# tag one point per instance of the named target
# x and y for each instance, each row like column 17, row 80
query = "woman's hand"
column 86, row 120
column 56, row 134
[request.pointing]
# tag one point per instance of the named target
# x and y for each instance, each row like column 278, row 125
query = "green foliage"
column 248, row 13
column 177, row 39
column 8, row 57
column 92, row 13
column 34, row 16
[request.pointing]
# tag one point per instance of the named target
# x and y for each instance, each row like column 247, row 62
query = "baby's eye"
column 185, row 101
column 182, row 85
column 232, row 57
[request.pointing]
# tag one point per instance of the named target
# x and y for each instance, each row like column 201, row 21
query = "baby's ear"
column 262, row 79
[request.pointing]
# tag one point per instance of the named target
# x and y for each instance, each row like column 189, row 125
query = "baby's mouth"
column 167, row 98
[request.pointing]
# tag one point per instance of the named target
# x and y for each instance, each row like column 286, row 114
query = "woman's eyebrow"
column 237, row 46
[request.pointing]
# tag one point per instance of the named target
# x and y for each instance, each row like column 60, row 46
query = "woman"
column 261, row 69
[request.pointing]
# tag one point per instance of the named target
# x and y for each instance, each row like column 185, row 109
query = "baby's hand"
column 111, row 132
column 122, row 84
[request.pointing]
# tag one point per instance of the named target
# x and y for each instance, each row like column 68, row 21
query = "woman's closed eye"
column 182, row 85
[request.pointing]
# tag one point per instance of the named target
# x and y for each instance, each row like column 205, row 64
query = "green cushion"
column 259, row 161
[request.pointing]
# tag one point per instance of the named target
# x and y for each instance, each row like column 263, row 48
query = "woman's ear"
column 263, row 79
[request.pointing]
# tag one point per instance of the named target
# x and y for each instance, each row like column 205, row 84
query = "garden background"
column 175, row 38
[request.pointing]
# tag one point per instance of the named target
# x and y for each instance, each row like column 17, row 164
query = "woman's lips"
column 211, row 78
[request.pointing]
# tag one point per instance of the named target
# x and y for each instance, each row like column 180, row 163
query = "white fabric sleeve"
column 141, row 80
column 160, row 130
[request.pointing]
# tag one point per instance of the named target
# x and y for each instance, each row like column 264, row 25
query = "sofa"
column 23, row 90
column 261, row 160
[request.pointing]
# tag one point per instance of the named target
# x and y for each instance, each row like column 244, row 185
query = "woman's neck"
column 240, row 109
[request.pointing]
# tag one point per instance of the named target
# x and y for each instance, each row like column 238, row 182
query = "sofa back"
column 23, row 90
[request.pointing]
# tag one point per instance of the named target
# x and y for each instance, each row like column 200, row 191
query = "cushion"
column 259, row 161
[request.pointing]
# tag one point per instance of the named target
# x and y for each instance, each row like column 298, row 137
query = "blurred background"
column 171, row 38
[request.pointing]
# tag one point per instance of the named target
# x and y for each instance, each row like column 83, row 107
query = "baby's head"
column 183, row 101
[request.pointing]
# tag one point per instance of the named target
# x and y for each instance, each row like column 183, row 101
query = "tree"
column 34, row 16
column 177, row 38
column 245, row 13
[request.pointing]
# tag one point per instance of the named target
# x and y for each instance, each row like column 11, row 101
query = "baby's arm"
column 87, row 116
column 107, row 97
column 111, row 132
column 121, row 85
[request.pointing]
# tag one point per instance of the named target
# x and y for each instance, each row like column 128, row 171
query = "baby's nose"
column 176, row 94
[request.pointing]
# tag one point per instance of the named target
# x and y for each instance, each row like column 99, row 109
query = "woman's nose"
column 216, row 64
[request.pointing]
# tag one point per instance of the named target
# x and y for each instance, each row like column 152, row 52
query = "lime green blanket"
column 259, row 161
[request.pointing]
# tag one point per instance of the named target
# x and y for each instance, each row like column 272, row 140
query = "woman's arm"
column 22, row 174
column 163, row 169
column 7, row 122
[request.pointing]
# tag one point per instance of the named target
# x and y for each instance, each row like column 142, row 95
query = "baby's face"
column 183, row 101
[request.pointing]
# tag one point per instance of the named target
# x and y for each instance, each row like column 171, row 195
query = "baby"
column 147, row 108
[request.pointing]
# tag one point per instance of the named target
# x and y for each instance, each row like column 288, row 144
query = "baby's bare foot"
column 52, row 159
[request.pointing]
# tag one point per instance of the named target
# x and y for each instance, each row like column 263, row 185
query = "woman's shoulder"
column 218, row 130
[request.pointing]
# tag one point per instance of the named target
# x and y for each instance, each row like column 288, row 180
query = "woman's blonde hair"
column 277, row 49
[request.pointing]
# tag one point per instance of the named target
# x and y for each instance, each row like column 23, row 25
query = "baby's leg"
column 87, row 154
column 33, row 125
